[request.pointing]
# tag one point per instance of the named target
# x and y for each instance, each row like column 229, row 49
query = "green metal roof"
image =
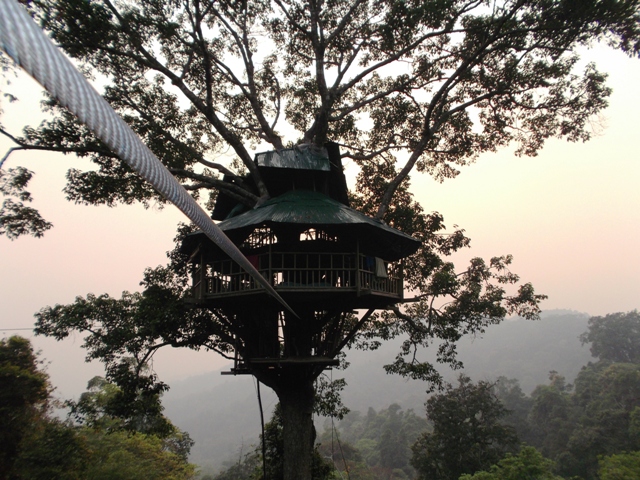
column 311, row 209
column 299, row 158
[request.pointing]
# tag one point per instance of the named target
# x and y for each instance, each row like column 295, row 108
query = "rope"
column 344, row 460
column 334, row 430
column 30, row 48
column 264, row 445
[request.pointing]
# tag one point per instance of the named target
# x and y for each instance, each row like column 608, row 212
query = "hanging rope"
column 30, row 48
column 344, row 460
column 334, row 431
column 264, row 445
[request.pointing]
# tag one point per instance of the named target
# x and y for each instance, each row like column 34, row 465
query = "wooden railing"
column 303, row 271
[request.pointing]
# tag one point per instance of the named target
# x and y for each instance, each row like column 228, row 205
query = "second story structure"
column 306, row 240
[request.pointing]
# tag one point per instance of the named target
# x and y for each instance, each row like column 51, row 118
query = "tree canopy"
column 468, row 433
column 577, row 425
column 620, row 466
column 23, row 398
column 38, row 446
column 527, row 464
column 402, row 86
column 614, row 337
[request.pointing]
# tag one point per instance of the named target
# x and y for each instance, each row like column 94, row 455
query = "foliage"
column 607, row 396
column 92, row 409
column 53, row 449
column 123, row 455
column 36, row 446
column 32, row 444
column 251, row 466
column 528, row 464
column 24, row 397
column 467, row 435
column 99, row 410
column 553, row 415
column 518, row 406
column 614, row 337
column 16, row 218
column 57, row 450
column 125, row 333
column 246, row 468
column 619, row 467
column 574, row 425
column 599, row 417
column 404, row 86
column 375, row 445
column 328, row 402
column 424, row 85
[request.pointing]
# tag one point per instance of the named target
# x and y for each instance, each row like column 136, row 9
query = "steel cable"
column 30, row 48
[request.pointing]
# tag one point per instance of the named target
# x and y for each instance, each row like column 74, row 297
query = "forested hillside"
column 95, row 442
column 209, row 404
column 490, row 429
column 580, row 421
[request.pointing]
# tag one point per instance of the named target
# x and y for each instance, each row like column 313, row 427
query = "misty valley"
column 559, row 396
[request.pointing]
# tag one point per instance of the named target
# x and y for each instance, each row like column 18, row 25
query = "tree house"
column 324, row 258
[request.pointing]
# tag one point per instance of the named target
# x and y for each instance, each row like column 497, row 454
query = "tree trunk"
column 296, row 402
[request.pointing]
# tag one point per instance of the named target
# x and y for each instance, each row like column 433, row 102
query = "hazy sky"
column 570, row 217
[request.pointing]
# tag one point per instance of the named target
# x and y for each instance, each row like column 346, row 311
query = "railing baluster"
column 337, row 270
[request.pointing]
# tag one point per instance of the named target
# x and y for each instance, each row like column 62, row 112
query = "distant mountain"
column 221, row 412
column 529, row 350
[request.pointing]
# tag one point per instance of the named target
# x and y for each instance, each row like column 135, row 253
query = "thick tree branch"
column 205, row 56
column 353, row 332
column 234, row 191
column 151, row 62
column 437, row 102
column 415, row 326
column 26, row 146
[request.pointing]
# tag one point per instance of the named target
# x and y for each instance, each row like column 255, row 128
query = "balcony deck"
column 346, row 277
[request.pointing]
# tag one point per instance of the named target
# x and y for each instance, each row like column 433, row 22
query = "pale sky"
column 570, row 217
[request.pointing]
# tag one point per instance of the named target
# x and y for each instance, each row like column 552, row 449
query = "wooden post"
column 358, row 268
column 271, row 279
column 203, row 277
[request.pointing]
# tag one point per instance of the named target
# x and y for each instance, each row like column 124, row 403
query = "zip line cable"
column 30, row 48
